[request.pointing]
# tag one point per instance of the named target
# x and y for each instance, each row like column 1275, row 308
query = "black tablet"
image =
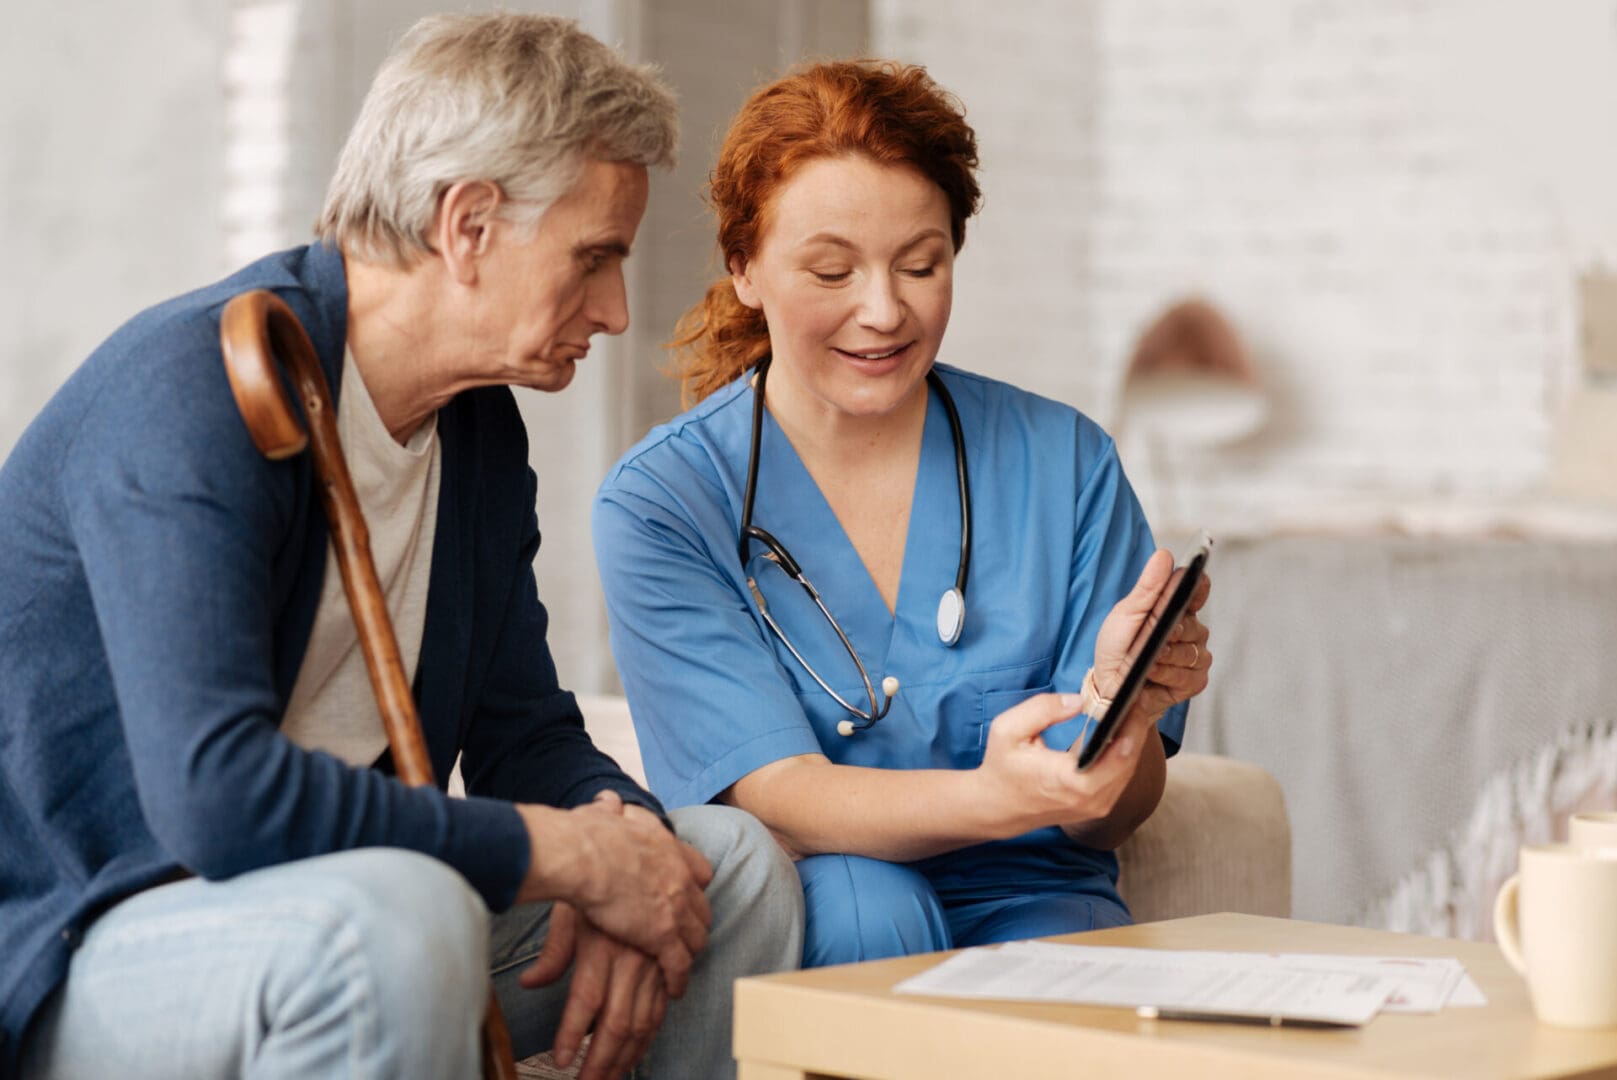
column 1170, row 608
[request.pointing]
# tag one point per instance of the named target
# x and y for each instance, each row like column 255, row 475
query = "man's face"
column 547, row 288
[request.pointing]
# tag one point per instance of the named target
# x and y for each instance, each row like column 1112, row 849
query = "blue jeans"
column 374, row 963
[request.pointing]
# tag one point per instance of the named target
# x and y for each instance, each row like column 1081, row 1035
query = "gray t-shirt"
column 333, row 707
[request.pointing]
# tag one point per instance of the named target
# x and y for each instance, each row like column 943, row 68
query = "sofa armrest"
column 1220, row 840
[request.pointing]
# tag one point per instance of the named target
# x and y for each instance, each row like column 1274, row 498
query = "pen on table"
column 1153, row 1012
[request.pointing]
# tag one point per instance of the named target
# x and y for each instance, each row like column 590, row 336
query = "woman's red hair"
column 891, row 113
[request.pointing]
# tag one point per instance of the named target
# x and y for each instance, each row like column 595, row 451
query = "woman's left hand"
column 1180, row 670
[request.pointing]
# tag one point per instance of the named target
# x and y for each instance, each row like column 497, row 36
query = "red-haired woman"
column 908, row 731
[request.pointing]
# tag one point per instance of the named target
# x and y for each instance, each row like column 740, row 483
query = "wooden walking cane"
column 256, row 328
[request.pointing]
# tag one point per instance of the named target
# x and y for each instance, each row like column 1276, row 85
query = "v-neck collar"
column 791, row 505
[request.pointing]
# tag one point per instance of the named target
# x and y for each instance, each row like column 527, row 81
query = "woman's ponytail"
column 715, row 341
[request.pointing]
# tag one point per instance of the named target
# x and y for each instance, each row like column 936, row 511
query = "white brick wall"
column 1391, row 198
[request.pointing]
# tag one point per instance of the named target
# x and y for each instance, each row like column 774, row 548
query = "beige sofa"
column 1219, row 841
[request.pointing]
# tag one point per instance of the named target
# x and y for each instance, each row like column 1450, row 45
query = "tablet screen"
column 1169, row 609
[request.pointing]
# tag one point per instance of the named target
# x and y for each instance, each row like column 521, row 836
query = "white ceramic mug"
column 1556, row 921
column 1593, row 829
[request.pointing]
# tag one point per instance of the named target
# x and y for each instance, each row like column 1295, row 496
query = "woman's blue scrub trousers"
column 857, row 908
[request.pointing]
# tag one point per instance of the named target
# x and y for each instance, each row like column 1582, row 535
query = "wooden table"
column 847, row 1022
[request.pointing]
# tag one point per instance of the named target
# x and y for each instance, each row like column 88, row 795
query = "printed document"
column 1343, row 989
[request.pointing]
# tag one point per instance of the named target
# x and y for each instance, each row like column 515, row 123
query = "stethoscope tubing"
column 777, row 553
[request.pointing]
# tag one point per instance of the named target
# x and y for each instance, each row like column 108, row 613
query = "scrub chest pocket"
column 994, row 702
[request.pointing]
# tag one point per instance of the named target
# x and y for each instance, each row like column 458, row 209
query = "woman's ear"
column 746, row 292
column 463, row 229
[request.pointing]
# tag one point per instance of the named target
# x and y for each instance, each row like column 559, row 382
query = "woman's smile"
column 876, row 361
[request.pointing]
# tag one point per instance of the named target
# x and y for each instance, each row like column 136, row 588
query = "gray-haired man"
column 180, row 688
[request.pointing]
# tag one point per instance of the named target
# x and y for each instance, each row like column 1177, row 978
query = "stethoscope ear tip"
column 845, row 728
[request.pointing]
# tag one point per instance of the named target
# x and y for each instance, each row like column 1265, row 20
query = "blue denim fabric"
column 364, row 964
column 374, row 964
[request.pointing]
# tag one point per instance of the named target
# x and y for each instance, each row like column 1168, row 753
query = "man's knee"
column 367, row 962
column 858, row 908
column 755, row 891
column 744, row 856
column 411, row 929
column 421, row 912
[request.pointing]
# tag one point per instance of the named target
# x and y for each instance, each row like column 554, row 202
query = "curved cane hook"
column 255, row 328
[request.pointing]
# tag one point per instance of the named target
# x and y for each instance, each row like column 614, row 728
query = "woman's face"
column 854, row 274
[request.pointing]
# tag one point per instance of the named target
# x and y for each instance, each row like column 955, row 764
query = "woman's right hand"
column 1028, row 785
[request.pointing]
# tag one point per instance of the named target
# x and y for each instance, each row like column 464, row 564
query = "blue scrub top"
column 1058, row 538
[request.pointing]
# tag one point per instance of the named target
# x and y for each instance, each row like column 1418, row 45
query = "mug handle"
column 1505, row 923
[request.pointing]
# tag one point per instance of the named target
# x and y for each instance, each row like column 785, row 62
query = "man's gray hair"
column 521, row 101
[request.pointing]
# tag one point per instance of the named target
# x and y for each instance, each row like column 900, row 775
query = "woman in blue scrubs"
column 943, row 808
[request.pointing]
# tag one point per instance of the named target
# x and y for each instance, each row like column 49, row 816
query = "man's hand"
column 616, row 990
column 625, row 873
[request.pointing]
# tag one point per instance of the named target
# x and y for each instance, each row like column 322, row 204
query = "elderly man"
column 180, row 687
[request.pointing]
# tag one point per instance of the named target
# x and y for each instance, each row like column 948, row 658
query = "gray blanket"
column 1426, row 704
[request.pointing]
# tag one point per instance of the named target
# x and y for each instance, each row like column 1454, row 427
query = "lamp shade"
column 1191, row 380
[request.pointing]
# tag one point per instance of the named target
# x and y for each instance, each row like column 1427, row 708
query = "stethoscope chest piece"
column 951, row 616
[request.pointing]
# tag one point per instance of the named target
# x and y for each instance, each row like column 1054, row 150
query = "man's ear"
column 746, row 292
column 463, row 229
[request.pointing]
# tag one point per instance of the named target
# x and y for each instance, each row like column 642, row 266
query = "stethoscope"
column 951, row 607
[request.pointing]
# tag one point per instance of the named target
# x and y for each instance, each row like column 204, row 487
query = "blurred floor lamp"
column 1190, row 384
